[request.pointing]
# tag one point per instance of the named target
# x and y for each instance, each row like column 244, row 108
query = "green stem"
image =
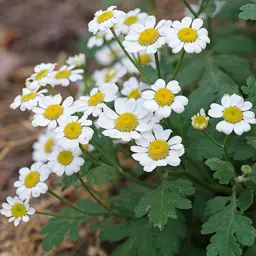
column 129, row 57
column 202, row 7
column 60, row 215
column 138, row 57
column 70, row 91
column 158, row 70
column 226, row 146
column 189, row 7
column 212, row 140
column 52, row 89
column 89, row 155
column 178, row 64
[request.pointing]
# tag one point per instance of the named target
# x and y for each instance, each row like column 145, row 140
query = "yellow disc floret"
column 130, row 20
column 18, row 210
column 53, row 112
column 43, row 73
column 148, row 36
column 233, row 115
column 29, row 96
column 126, row 122
column 72, row 130
column 32, row 179
column 110, row 74
column 187, row 35
column 164, row 97
column 134, row 94
column 105, row 16
column 200, row 122
column 48, row 146
column 144, row 59
column 65, row 157
column 158, row 150
column 96, row 99
column 63, row 74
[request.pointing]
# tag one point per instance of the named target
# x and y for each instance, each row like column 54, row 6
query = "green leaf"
column 230, row 89
column 224, row 171
column 101, row 175
column 216, row 204
column 250, row 89
column 245, row 199
column 251, row 140
column 162, row 203
column 248, row 11
column 89, row 206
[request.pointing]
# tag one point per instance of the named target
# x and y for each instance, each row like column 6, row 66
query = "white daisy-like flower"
column 109, row 75
column 147, row 37
column 78, row 60
column 43, row 147
column 129, row 120
column 73, row 130
column 32, row 181
column 130, row 18
column 65, row 161
column 235, row 112
column 66, row 74
column 28, row 100
column 156, row 148
column 16, row 210
column 162, row 99
column 51, row 109
column 200, row 120
column 187, row 34
column 132, row 88
column 94, row 103
column 96, row 41
column 107, row 55
column 41, row 77
column 103, row 20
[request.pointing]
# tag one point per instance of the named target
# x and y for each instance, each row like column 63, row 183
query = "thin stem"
column 158, row 70
column 89, row 155
column 189, row 7
column 129, row 57
column 178, row 64
column 138, row 57
column 226, row 146
column 70, row 91
column 52, row 89
column 60, row 215
column 212, row 140
column 202, row 7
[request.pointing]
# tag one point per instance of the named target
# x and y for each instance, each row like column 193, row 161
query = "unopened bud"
column 246, row 169
column 240, row 179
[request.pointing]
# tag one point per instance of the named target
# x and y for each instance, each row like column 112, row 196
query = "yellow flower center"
column 29, row 96
column 200, row 122
column 110, row 74
column 32, row 179
column 158, row 150
column 135, row 94
column 126, row 122
column 148, row 36
column 145, row 59
column 18, row 210
column 98, row 36
column 85, row 146
column 233, row 115
column 53, row 112
column 63, row 74
column 96, row 99
column 105, row 16
column 164, row 97
column 130, row 20
column 48, row 146
column 43, row 73
column 187, row 35
column 73, row 130
column 65, row 157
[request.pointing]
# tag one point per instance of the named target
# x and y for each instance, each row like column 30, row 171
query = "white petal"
column 197, row 24
column 225, row 127
column 236, row 100
column 174, row 86
column 150, row 21
column 216, row 110
column 148, row 95
column 241, row 127
column 247, row 106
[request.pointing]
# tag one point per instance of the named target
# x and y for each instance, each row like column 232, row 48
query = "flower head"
column 156, row 148
column 235, row 112
column 16, row 210
column 162, row 99
column 188, row 34
column 200, row 120
column 77, row 60
column 96, row 41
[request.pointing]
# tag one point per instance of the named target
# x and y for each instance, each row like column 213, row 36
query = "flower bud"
column 246, row 169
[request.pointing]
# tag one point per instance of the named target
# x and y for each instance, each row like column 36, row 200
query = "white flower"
column 65, row 161
column 149, row 37
column 65, row 75
column 77, row 60
column 51, row 109
column 133, row 89
column 32, row 181
column 156, row 148
column 28, row 100
column 16, row 210
column 103, row 20
column 129, row 120
column 96, row 41
column 109, row 75
column 234, row 111
column 130, row 18
column 73, row 130
column 187, row 34
column 41, row 77
column 44, row 146
column 200, row 120
column 162, row 99
column 94, row 103
column 106, row 55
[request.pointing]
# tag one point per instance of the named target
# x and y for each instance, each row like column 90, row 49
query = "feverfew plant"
column 186, row 120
